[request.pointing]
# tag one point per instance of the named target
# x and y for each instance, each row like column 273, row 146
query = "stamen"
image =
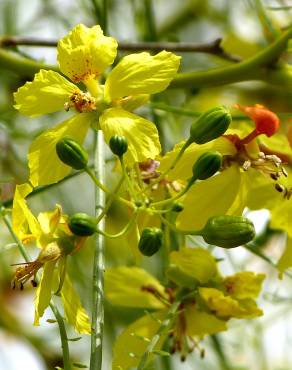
column 151, row 289
column 24, row 273
column 82, row 102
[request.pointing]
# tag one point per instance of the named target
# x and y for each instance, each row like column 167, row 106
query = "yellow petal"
column 277, row 143
column 282, row 216
column 44, row 164
column 131, row 103
column 286, row 259
column 183, row 169
column 211, row 197
column 74, row 311
column 24, row 224
column 245, row 284
column 142, row 135
column 200, row 323
column 47, row 93
column 49, row 220
column 44, row 291
column 141, row 73
column 226, row 307
column 133, row 341
column 124, row 287
column 85, row 52
column 195, row 262
column 262, row 193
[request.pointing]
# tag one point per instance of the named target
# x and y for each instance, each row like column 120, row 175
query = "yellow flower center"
column 82, row 102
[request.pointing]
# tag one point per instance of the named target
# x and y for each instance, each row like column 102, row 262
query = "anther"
column 284, row 172
column 279, row 188
column 246, row 165
column 34, row 283
column 262, row 155
column 274, row 176
column 183, row 358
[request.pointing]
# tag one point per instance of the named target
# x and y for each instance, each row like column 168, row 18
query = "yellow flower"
column 208, row 302
column 83, row 56
column 50, row 232
column 247, row 178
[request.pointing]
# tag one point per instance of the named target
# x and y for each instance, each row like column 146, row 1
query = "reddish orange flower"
column 266, row 121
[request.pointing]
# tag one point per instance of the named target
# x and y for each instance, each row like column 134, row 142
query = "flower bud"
column 150, row 241
column 207, row 165
column 118, row 145
column 82, row 224
column 228, row 231
column 71, row 153
column 177, row 207
column 210, row 125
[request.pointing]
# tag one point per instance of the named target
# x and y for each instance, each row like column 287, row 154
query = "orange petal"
column 267, row 122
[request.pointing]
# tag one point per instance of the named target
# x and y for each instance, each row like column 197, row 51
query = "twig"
column 98, row 263
column 254, row 68
column 220, row 352
column 213, row 47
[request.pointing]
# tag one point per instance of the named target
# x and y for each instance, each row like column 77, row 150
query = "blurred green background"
column 245, row 26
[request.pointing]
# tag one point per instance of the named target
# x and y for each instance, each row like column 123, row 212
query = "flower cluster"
column 201, row 187
column 207, row 301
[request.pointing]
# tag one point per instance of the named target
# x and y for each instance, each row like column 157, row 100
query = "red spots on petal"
column 266, row 121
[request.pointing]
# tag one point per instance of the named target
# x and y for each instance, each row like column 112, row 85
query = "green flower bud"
column 71, row 153
column 207, row 165
column 177, row 207
column 210, row 125
column 82, row 224
column 118, row 145
column 150, row 241
column 228, row 231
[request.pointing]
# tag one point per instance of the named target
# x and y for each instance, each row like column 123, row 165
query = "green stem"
column 270, row 31
column 63, row 336
column 255, row 68
column 220, row 352
column 20, row 65
column 104, row 189
column 128, row 180
column 110, row 201
column 179, row 195
column 124, row 229
column 98, row 262
column 249, row 69
column 40, row 189
column 162, row 330
column 58, row 316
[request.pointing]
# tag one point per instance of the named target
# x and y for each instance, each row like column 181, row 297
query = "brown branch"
column 213, row 47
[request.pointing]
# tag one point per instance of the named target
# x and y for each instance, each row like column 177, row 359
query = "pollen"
column 82, row 102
